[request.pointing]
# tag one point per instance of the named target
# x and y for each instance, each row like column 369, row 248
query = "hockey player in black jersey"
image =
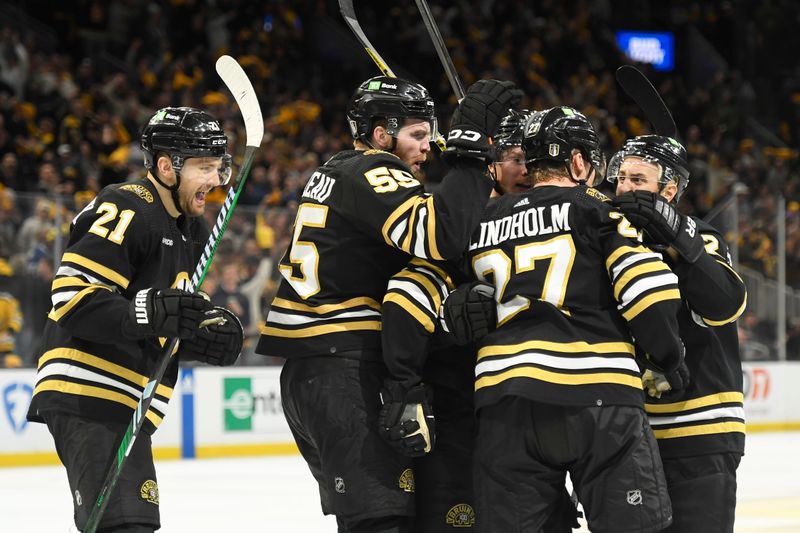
column 511, row 174
column 437, row 366
column 362, row 216
column 117, row 294
column 700, row 424
column 557, row 385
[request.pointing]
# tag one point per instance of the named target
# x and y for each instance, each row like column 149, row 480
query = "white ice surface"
column 278, row 494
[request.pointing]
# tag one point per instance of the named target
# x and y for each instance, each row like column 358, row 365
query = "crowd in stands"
column 76, row 86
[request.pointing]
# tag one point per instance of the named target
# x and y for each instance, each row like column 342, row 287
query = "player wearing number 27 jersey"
column 557, row 386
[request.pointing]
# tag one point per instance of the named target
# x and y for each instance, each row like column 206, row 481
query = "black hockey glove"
column 661, row 223
column 218, row 341
column 164, row 313
column 469, row 312
column 656, row 383
column 406, row 419
column 477, row 117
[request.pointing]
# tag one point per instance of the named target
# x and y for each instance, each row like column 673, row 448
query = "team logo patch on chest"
column 149, row 491
column 139, row 191
column 461, row 515
column 406, row 481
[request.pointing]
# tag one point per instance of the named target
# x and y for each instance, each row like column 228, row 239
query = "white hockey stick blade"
column 242, row 90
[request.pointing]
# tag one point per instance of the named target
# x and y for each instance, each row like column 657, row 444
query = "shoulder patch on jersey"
column 373, row 151
column 139, row 190
column 591, row 191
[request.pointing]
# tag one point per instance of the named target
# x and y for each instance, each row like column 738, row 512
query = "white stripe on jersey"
column 434, row 277
column 640, row 285
column 631, row 260
column 419, row 244
column 65, row 271
column 288, row 319
column 398, row 232
column 420, row 296
column 711, row 414
column 559, row 363
column 62, row 297
column 74, row 371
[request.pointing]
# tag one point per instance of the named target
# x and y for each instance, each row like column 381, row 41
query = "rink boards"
column 229, row 412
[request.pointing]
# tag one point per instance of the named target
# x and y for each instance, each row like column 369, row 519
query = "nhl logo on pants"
column 339, row 485
column 634, row 497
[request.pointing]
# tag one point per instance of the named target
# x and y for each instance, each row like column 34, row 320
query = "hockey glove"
column 656, row 383
column 164, row 313
column 218, row 341
column 469, row 312
column 406, row 419
column 477, row 117
column 661, row 223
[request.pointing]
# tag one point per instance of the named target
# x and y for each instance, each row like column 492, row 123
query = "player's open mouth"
column 200, row 198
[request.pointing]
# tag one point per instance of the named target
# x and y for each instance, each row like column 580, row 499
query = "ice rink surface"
column 278, row 494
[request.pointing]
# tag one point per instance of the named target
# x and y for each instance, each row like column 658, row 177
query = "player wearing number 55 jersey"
column 362, row 215
column 557, row 387
column 119, row 290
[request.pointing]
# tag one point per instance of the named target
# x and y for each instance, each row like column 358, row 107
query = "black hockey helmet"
column 185, row 132
column 392, row 100
column 551, row 134
column 511, row 129
column 665, row 153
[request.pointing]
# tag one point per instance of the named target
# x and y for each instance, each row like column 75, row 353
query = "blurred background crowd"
column 79, row 79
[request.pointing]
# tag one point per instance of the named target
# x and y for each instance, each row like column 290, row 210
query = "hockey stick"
column 349, row 15
column 441, row 49
column 239, row 85
column 639, row 88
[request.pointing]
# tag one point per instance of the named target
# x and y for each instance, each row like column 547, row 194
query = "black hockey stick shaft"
column 641, row 90
column 441, row 49
column 349, row 15
column 242, row 89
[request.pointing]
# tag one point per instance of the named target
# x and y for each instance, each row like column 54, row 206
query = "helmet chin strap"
column 173, row 189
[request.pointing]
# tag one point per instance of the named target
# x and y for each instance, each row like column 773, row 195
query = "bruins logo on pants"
column 149, row 491
column 406, row 481
column 461, row 515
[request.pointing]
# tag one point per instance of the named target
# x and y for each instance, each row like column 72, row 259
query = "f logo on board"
column 16, row 399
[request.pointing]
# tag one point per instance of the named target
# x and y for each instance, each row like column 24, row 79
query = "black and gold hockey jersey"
column 362, row 216
column 572, row 283
column 708, row 415
column 122, row 242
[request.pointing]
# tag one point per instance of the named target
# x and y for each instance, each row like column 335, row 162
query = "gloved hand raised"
column 661, row 223
column 469, row 312
column 406, row 419
column 218, row 341
column 164, row 313
column 477, row 117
